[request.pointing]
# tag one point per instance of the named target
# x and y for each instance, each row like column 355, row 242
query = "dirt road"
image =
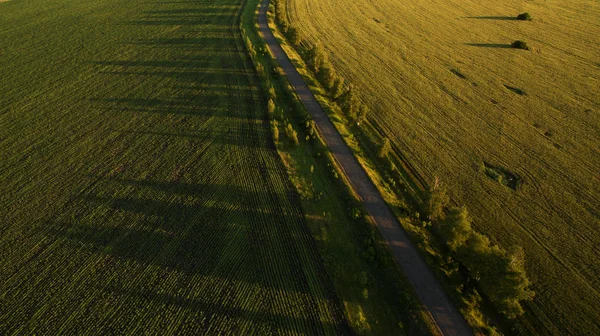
column 429, row 292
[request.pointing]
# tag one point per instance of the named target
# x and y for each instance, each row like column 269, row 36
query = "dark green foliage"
column 362, row 112
column 271, row 106
column 524, row 17
column 294, row 36
column 316, row 57
column 500, row 274
column 520, row 45
column 275, row 131
column 272, row 95
column 291, row 133
column 435, row 201
column 339, row 88
column 384, row 148
column 350, row 104
column 326, row 75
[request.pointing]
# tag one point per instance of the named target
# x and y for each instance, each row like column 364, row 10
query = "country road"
column 428, row 290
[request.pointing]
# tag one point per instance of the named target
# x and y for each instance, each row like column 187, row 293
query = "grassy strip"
column 376, row 298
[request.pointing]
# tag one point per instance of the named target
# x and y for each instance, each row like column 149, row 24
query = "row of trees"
column 337, row 88
column 500, row 273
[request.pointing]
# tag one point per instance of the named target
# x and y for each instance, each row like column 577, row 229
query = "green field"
column 459, row 104
column 141, row 191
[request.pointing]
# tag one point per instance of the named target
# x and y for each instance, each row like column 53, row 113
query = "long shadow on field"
column 228, row 240
column 490, row 45
column 199, row 199
column 500, row 18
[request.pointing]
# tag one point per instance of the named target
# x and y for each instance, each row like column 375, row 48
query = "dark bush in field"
column 520, row 45
column 524, row 17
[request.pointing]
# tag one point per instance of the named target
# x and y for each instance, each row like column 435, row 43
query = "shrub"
column 326, row 74
column 435, row 201
column 278, row 72
column 272, row 93
column 339, row 88
column 520, row 45
column 291, row 133
column 275, row 130
column 384, row 148
column 501, row 274
column 361, row 114
column 524, row 17
column 316, row 57
column 271, row 106
column 295, row 37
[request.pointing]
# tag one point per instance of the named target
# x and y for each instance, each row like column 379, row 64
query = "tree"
column 339, row 88
column 294, row 35
column 292, row 134
column 363, row 110
column 435, row 201
column 275, row 130
column 384, row 148
column 271, row 106
column 505, row 280
column 326, row 74
column 316, row 57
column 350, row 104
column 456, row 228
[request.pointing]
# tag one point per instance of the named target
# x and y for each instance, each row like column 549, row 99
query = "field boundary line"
column 445, row 315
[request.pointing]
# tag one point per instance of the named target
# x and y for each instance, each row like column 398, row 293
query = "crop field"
column 513, row 134
column 141, row 191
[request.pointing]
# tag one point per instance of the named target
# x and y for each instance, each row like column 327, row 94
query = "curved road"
column 429, row 292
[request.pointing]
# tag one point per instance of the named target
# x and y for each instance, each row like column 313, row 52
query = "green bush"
column 294, row 36
column 384, row 148
column 500, row 274
column 520, row 45
column 275, row 131
column 271, row 106
column 338, row 89
column 435, row 201
column 524, row 17
column 291, row 133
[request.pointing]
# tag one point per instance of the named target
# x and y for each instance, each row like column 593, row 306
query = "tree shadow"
column 234, row 220
column 500, row 18
column 491, row 45
column 237, row 238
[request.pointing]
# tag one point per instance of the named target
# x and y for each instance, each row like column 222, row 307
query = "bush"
column 384, row 148
column 326, row 74
column 272, row 94
column 338, row 89
column 435, row 201
column 363, row 110
column 500, row 274
column 295, row 37
column 520, row 45
column 275, row 131
column 292, row 134
column 271, row 106
column 316, row 57
column 524, row 17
